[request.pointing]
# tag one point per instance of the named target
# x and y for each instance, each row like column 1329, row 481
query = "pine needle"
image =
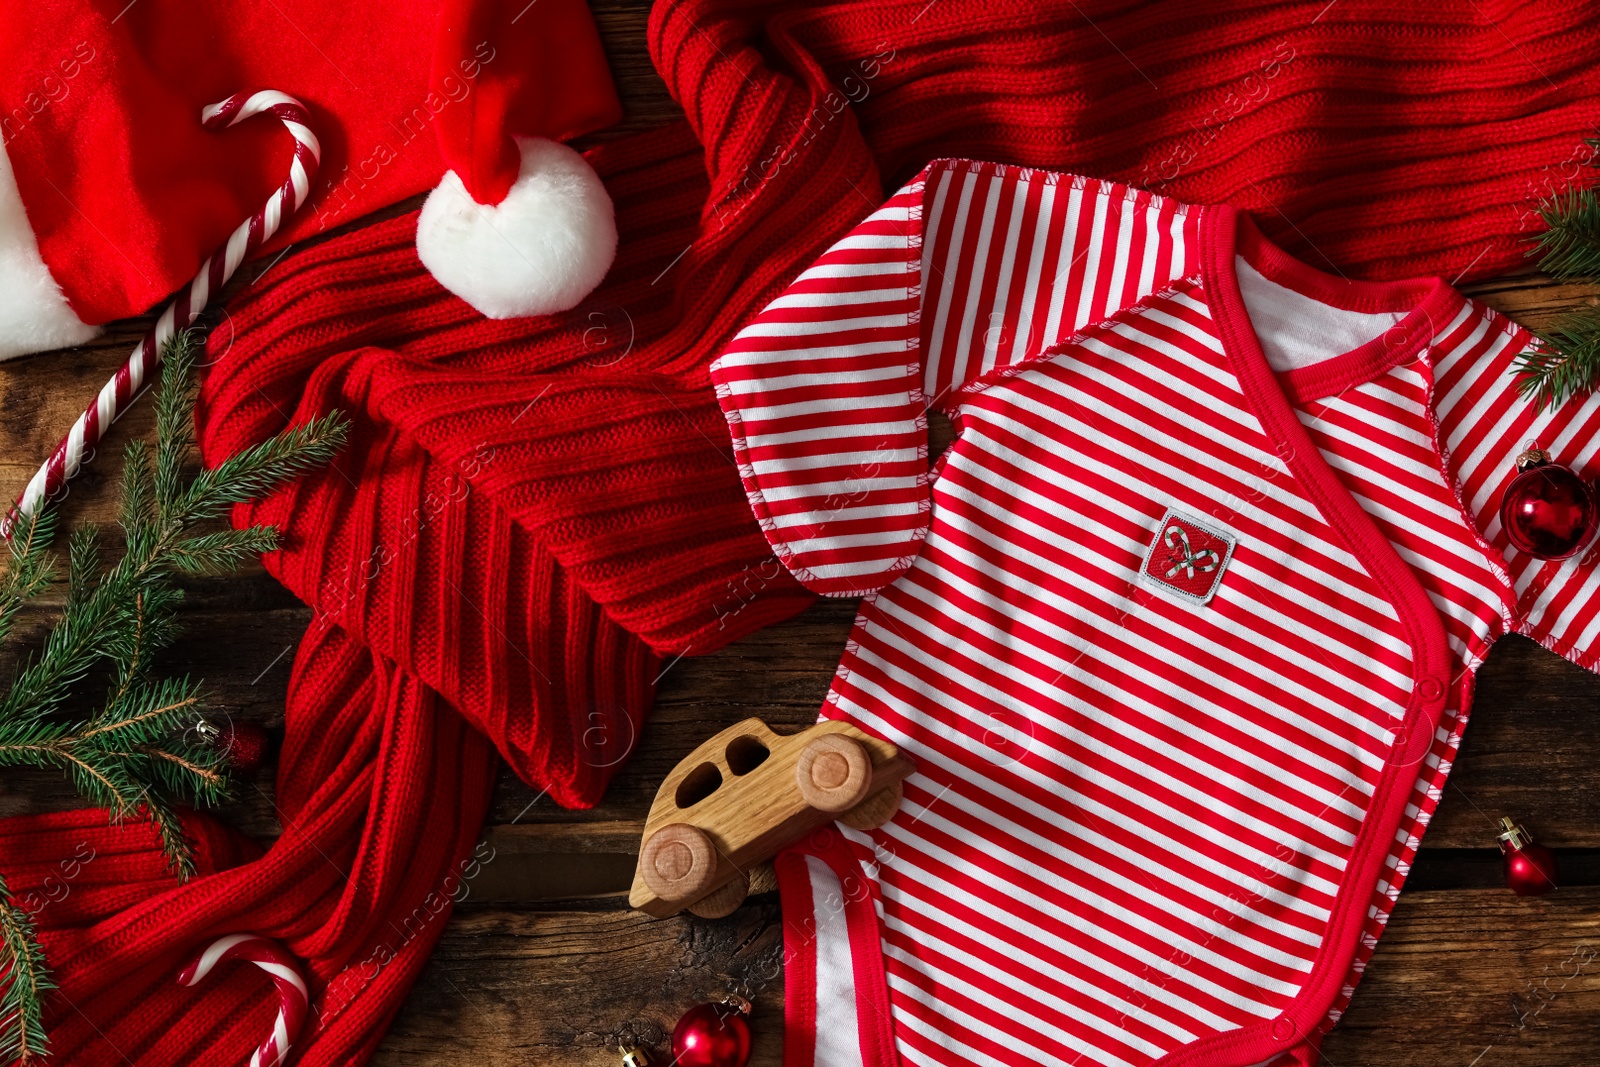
column 1570, row 245
column 254, row 472
column 29, row 570
column 138, row 756
column 27, row 982
column 226, row 550
column 1564, row 361
column 174, row 418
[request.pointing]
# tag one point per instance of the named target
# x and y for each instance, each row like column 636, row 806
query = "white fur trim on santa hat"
column 540, row 250
column 34, row 314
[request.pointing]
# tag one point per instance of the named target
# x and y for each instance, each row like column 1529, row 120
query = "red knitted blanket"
column 531, row 511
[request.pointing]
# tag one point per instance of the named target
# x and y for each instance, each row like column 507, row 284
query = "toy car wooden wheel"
column 678, row 863
column 723, row 901
column 876, row 810
column 833, row 773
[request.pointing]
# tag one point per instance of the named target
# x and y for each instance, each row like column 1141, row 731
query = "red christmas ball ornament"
column 1547, row 511
column 1530, row 867
column 245, row 744
column 713, row 1035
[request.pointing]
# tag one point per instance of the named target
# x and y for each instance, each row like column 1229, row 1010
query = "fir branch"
column 129, row 645
column 1570, row 245
column 254, row 472
column 223, row 551
column 174, row 842
column 27, row 981
column 193, row 772
column 46, row 682
column 174, row 418
column 138, row 756
column 83, row 560
column 29, row 570
column 138, row 490
column 143, row 715
column 98, row 776
column 150, row 625
column 1564, row 360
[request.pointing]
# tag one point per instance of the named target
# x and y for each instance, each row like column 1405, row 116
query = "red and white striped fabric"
column 1180, row 630
column 1018, row 260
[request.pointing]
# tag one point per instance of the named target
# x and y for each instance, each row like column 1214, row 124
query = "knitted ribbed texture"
column 397, row 547
column 1380, row 140
column 584, row 428
column 388, row 791
column 521, row 498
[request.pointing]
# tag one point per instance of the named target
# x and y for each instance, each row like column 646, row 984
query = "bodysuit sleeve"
column 969, row 267
column 1484, row 423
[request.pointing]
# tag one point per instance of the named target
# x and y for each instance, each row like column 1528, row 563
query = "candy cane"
column 293, row 998
column 214, row 273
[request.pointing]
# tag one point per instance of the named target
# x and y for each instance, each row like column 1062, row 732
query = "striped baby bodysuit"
column 1180, row 630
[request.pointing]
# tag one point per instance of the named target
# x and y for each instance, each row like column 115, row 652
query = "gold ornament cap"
column 632, row 1056
column 1531, row 458
column 1513, row 838
column 737, row 1003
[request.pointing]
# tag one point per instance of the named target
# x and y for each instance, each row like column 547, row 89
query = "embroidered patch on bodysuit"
column 1187, row 557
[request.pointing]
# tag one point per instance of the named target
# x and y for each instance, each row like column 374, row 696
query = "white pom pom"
column 540, row 250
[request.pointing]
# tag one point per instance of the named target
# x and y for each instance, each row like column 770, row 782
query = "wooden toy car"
column 742, row 796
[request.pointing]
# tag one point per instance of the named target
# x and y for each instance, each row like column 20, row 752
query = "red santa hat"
column 112, row 193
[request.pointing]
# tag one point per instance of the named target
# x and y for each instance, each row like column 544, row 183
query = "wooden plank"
column 1528, row 753
column 508, row 988
column 1457, row 973
column 1479, row 977
column 1533, row 299
column 645, row 100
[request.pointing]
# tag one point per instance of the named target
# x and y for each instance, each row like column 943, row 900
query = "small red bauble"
column 1530, row 868
column 245, row 744
column 713, row 1035
column 1547, row 511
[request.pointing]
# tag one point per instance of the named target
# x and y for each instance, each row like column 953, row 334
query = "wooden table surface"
column 545, row 963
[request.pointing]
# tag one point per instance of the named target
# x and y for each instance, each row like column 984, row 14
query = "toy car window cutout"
column 699, row 784
column 745, row 754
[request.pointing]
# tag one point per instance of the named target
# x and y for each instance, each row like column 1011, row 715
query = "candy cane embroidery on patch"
column 1188, row 560
column 293, row 997
column 1187, row 557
